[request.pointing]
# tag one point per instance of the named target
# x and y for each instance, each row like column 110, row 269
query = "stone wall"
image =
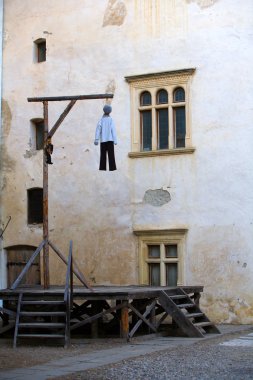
column 91, row 50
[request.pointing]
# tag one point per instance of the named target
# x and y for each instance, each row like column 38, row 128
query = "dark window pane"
column 162, row 97
column 146, row 120
column 35, row 205
column 171, row 274
column 154, row 251
column 163, row 129
column 154, row 274
column 179, row 115
column 41, row 51
column 145, row 98
column 39, row 126
column 179, row 95
column 171, row 250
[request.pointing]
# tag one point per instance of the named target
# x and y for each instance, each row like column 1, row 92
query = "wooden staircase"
column 186, row 314
column 39, row 318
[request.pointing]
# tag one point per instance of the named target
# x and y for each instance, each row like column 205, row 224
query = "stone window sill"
column 165, row 152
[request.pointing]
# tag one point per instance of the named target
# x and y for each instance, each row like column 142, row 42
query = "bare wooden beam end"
column 73, row 97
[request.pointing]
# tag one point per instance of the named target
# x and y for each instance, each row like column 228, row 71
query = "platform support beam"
column 45, row 201
column 124, row 325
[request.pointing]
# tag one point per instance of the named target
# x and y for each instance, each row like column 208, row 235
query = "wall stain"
column 203, row 3
column 30, row 153
column 6, row 117
column 157, row 197
column 111, row 87
column 7, row 164
column 115, row 13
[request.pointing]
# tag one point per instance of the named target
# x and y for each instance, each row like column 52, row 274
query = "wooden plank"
column 163, row 317
column 41, row 336
column 152, row 318
column 81, row 292
column 124, row 320
column 41, row 313
column 142, row 318
column 29, row 263
column 17, row 320
column 94, row 317
column 42, row 325
column 178, row 316
column 43, row 302
column 61, row 118
column 68, row 296
column 45, row 201
column 72, row 97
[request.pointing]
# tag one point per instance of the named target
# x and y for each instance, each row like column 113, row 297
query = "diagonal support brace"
column 27, row 266
column 61, row 118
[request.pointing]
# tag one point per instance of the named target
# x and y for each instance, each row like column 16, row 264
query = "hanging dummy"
column 49, row 150
column 106, row 134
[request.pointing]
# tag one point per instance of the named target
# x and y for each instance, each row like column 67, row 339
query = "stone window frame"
column 37, row 133
column 40, row 50
column 34, row 205
column 160, row 237
column 170, row 81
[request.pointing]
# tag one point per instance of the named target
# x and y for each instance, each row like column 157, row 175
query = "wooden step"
column 41, row 325
column 178, row 315
column 43, row 302
column 185, row 305
column 42, row 313
column 194, row 315
column 178, row 296
column 203, row 324
column 41, row 335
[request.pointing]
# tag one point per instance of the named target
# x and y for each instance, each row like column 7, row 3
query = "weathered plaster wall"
column 90, row 50
column 2, row 256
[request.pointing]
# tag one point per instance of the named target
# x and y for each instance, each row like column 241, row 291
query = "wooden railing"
column 68, row 294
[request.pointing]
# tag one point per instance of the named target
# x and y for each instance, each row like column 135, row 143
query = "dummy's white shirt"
column 105, row 130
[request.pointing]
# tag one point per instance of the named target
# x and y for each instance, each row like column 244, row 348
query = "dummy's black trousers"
column 107, row 147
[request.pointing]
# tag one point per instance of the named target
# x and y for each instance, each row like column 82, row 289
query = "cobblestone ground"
column 229, row 357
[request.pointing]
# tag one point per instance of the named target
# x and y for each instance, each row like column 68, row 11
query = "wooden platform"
column 98, row 292
column 103, row 310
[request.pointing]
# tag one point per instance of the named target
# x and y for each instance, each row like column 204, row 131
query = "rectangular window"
column 179, row 127
column 161, row 255
column 154, row 251
column 39, row 127
column 37, row 133
column 171, row 274
column 146, row 129
column 171, row 250
column 162, row 261
column 40, row 50
column 154, row 274
column 163, row 128
column 161, row 113
column 35, row 206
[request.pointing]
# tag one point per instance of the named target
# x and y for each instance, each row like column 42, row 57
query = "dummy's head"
column 107, row 109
